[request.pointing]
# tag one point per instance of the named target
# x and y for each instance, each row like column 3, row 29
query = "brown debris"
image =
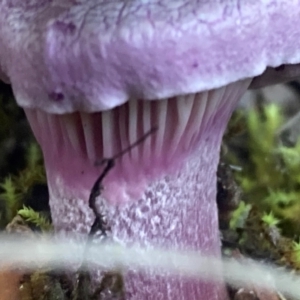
column 10, row 278
column 252, row 291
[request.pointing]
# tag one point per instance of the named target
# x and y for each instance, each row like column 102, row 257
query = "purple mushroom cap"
column 84, row 72
column 95, row 55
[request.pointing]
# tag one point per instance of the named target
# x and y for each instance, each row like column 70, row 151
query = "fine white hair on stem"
column 57, row 253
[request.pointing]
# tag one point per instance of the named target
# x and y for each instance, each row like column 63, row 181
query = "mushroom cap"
column 91, row 55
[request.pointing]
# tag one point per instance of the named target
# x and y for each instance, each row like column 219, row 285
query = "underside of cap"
column 280, row 74
column 3, row 77
column 92, row 55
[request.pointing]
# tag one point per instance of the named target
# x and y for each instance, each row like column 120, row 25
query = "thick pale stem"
column 177, row 212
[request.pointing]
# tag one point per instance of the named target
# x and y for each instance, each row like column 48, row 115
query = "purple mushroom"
column 95, row 75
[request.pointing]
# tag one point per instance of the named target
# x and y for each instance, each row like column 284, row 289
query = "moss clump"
column 21, row 163
column 264, row 224
column 239, row 215
column 32, row 217
column 16, row 187
column 269, row 171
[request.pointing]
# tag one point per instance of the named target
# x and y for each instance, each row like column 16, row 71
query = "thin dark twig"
column 95, row 192
column 96, row 189
column 113, row 279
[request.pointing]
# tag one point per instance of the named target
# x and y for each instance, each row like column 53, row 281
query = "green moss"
column 15, row 187
column 265, row 226
column 240, row 215
column 35, row 218
column 21, row 163
column 269, row 219
column 296, row 252
column 270, row 171
column 11, row 198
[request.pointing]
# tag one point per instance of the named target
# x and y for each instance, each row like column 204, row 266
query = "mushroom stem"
column 161, row 193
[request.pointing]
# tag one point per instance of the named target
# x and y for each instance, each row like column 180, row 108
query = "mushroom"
column 94, row 76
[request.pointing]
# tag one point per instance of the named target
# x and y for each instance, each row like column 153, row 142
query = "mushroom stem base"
column 176, row 212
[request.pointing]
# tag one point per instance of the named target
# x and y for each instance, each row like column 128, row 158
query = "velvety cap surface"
column 91, row 55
